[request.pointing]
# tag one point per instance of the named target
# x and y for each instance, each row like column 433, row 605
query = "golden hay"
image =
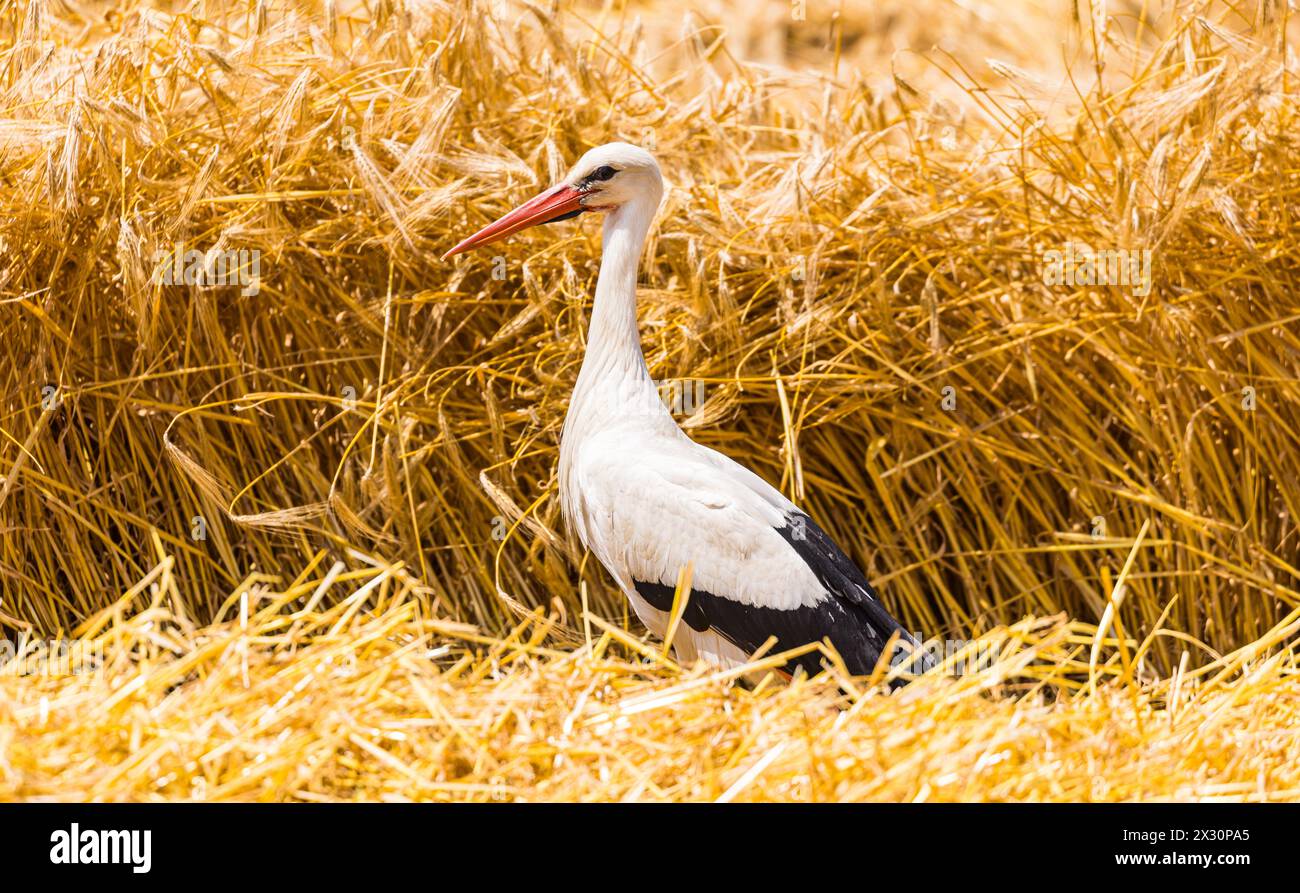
column 850, row 259
column 370, row 699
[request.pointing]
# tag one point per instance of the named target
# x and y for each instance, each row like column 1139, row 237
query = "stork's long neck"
column 614, row 381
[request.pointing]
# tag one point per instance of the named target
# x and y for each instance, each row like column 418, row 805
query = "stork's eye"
column 604, row 172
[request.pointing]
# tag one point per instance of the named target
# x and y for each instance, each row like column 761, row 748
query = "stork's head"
column 607, row 178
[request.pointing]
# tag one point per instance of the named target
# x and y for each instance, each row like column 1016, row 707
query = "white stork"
column 648, row 501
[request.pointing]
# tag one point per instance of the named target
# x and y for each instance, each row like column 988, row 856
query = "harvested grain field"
column 1003, row 295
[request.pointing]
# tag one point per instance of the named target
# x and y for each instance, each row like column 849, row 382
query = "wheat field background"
column 310, row 533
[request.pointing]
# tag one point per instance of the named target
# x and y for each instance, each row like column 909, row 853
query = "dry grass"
column 372, row 699
column 856, row 222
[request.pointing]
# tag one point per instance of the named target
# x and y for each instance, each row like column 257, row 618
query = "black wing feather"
column 837, row 572
column 853, row 619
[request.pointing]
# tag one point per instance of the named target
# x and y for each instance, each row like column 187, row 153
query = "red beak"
column 555, row 203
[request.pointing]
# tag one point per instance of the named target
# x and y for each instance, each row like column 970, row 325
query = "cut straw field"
column 306, row 523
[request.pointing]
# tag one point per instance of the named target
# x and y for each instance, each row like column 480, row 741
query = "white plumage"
column 648, row 501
